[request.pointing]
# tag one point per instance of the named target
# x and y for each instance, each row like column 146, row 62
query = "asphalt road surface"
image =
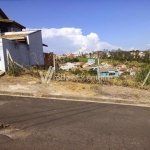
column 46, row 124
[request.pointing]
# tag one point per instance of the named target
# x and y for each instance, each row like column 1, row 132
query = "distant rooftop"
column 107, row 69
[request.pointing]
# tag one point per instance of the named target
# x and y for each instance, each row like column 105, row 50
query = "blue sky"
column 124, row 23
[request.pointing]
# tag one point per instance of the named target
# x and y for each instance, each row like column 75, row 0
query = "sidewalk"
column 29, row 86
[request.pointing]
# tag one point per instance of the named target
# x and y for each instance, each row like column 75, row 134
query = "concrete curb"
column 79, row 98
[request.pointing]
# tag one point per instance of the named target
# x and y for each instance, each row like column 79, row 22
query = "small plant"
column 136, row 96
column 33, row 71
column 125, row 83
column 92, row 72
column 14, row 71
column 76, row 72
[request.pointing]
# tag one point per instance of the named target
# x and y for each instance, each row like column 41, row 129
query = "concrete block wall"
column 2, row 60
column 25, row 54
column 19, row 52
column 36, row 48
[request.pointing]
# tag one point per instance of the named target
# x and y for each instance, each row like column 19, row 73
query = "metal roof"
column 14, row 36
column 107, row 69
column 12, row 21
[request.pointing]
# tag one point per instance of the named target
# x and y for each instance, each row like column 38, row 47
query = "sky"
column 70, row 26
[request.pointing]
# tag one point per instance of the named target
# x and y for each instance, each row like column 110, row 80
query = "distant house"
column 87, row 55
column 67, row 66
column 25, row 47
column 85, row 65
column 141, row 54
column 122, row 70
column 77, row 64
column 105, row 65
column 134, row 70
column 108, row 72
column 90, row 63
column 137, row 53
column 108, row 54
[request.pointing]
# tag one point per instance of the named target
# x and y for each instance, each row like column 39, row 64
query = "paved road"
column 44, row 124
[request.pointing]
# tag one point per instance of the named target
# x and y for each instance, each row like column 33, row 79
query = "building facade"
column 25, row 47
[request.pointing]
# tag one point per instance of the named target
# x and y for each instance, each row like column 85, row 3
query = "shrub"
column 92, row 71
column 141, row 75
column 14, row 71
column 76, row 72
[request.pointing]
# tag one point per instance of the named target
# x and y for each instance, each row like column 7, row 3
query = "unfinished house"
column 25, row 47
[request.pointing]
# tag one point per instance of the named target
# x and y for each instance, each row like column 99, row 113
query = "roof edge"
column 34, row 31
column 3, row 14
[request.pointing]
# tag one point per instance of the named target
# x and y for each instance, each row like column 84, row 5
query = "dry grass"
column 115, row 90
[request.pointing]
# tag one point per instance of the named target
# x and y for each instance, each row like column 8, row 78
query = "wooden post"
column 11, row 62
column 54, row 65
column 146, row 79
column 98, row 68
column 9, row 59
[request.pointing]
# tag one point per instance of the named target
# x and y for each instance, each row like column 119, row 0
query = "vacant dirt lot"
column 29, row 84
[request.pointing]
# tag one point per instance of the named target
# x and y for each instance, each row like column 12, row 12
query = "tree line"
column 122, row 56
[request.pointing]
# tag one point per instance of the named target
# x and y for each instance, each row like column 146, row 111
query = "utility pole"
column 147, row 74
column 98, row 57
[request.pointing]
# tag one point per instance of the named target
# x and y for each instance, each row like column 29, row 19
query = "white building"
column 68, row 66
column 25, row 48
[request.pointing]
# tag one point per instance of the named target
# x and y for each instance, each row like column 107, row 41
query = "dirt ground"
column 29, row 84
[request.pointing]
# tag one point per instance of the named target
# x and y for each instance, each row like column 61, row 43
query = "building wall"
column 116, row 73
column 48, row 59
column 4, row 26
column 19, row 52
column 36, row 48
column 106, row 74
column 24, row 54
column 2, row 61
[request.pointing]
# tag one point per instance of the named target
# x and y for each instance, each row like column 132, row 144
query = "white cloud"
column 70, row 40
column 132, row 48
